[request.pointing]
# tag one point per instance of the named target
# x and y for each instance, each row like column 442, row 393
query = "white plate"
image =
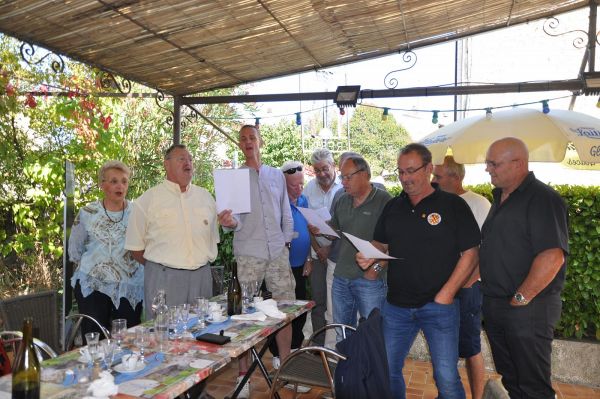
column 83, row 359
column 122, row 369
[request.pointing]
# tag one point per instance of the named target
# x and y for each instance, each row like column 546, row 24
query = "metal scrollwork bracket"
column 109, row 81
column 551, row 29
column 409, row 57
column 28, row 55
column 159, row 98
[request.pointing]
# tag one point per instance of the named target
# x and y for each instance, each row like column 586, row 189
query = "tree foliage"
column 37, row 135
column 377, row 140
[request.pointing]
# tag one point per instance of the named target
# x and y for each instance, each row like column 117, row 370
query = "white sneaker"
column 245, row 392
column 301, row 388
column 276, row 362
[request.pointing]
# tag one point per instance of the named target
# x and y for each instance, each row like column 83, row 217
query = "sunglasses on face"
column 293, row 170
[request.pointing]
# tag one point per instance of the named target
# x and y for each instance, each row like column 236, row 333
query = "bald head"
column 515, row 148
column 507, row 162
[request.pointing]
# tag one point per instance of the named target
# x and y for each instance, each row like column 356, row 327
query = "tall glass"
column 174, row 322
column 119, row 331
column 109, row 347
column 202, row 311
column 92, row 339
column 142, row 340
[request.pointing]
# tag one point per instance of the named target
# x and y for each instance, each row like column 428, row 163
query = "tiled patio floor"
column 418, row 375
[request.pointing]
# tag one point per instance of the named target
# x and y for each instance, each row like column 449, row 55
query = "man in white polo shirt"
column 173, row 232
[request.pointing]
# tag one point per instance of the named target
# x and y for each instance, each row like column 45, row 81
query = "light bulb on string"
column 434, row 119
column 545, row 107
column 488, row 113
column 257, row 122
column 342, row 111
column 385, row 114
column 298, row 119
column 598, row 103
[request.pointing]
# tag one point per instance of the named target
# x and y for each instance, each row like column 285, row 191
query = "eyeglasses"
column 181, row 159
column 349, row 176
column 409, row 172
column 496, row 165
column 324, row 169
column 291, row 171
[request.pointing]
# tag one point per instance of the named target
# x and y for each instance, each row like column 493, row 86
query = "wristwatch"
column 377, row 267
column 520, row 298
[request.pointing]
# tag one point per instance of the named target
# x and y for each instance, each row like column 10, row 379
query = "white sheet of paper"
column 232, row 190
column 324, row 213
column 313, row 217
column 367, row 249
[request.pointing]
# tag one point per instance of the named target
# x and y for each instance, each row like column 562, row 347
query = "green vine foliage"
column 581, row 295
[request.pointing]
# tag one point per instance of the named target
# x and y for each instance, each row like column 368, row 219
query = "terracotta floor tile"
column 418, row 376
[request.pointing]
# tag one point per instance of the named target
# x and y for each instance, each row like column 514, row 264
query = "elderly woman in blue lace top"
column 108, row 283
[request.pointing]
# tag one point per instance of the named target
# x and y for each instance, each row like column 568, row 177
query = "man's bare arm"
column 465, row 266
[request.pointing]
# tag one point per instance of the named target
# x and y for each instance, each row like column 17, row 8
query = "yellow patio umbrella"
column 546, row 135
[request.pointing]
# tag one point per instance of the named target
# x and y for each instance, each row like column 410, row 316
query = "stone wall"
column 573, row 362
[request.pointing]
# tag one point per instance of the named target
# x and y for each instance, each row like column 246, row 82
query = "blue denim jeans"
column 352, row 295
column 440, row 326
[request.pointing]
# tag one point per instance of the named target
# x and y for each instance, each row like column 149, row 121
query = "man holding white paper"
column 320, row 192
column 262, row 238
column 435, row 237
column 356, row 212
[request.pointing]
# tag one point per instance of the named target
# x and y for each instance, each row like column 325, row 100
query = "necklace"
column 109, row 218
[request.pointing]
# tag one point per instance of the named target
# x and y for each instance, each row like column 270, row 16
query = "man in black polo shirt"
column 435, row 237
column 523, row 262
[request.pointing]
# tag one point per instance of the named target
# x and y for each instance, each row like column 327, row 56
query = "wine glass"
column 142, row 340
column 247, row 288
column 184, row 316
column 119, row 331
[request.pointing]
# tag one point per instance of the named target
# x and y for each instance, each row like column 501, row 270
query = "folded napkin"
column 269, row 307
column 103, row 387
column 259, row 316
column 152, row 362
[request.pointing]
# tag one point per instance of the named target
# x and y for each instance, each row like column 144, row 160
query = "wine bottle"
column 234, row 293
column 26, row 368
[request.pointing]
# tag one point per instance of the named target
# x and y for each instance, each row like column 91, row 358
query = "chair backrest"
column 76, row 319
column 12, row 339
column 42, row 307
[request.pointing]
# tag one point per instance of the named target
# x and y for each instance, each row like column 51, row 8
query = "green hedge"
column 581, row 295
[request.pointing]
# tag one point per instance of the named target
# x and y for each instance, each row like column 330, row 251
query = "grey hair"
column 454, row 168
column 118, row 165
column 172, row 148
column 360, row 163
column 321, row 154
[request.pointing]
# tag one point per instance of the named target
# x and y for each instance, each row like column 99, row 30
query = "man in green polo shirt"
column 356, row 212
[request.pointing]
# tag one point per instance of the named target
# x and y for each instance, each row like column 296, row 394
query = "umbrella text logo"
column 588, row 132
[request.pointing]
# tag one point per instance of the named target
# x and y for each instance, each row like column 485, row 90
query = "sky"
column 515, row 54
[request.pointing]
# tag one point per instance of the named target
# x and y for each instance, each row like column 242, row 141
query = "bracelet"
column 377, row 267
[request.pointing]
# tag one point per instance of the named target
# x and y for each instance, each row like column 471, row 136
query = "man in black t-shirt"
column 522, row 264
column 435, row 238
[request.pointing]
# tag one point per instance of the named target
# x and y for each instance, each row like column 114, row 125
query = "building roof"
column 184, row 47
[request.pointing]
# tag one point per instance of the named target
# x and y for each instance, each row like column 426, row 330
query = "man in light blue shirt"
column 262, row 237
column 320, row 192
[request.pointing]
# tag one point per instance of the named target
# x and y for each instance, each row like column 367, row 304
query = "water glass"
column 201, row 311
column 142, row 340
column 119, row 331
column 247, row 294
column 175, row 323
column 108, row 349
column 92, row 339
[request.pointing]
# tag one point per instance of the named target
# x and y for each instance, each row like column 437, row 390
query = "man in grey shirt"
column 262, row 237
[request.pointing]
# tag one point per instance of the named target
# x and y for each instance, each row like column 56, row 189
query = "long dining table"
column 183, row 364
